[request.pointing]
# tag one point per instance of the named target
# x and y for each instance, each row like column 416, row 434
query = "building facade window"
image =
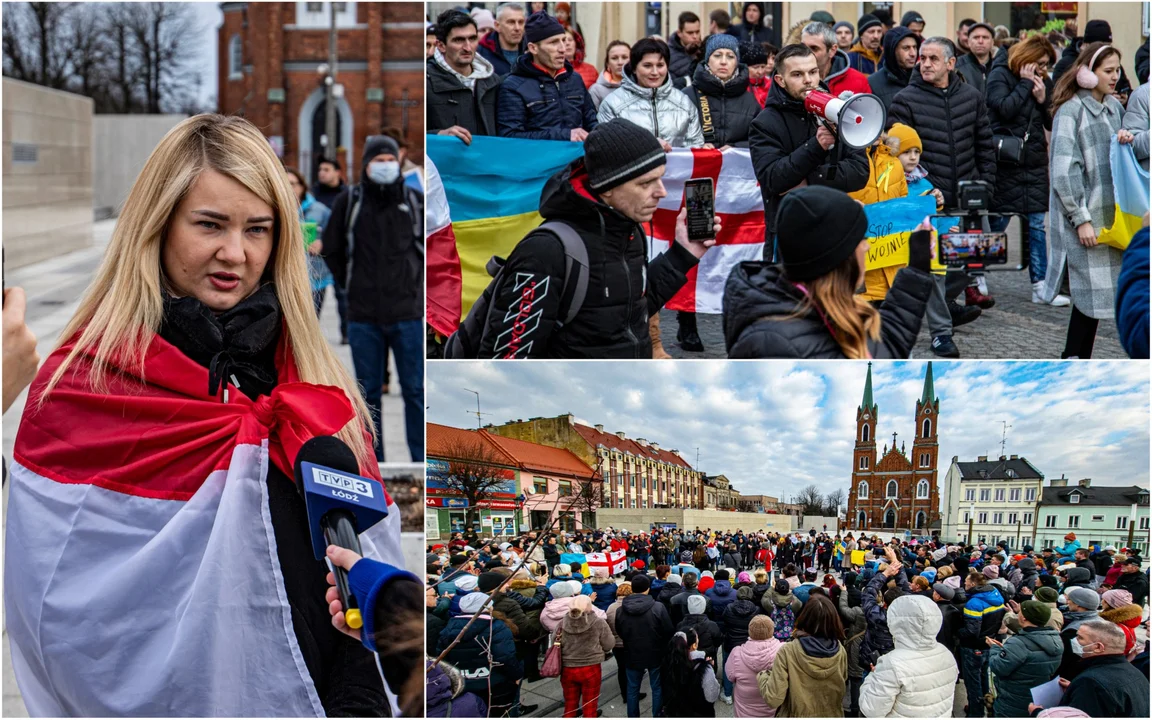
column 985, row 495
column 926, row 427
column 1122, row 523
column 1074, row 498
column 1073, row 521
column 1144, row 523
column 1027, row 518
column 970, row 495
column 1049, row 521
column 1014, row 495
column 1030, row 495
column 865, row 433
column 967, row 516
column 1012, row 518
column 922, row 490
column 892, row 489
column 862, row 490
column 235, row 58
column 999, row 494
column 982, row 518
column 997, row 518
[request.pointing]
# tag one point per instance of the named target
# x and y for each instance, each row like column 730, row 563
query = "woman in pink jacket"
column 745, row 661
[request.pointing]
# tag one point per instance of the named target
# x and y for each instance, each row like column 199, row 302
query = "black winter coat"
column 624, row 288
column 682, row 65
column 535, row 106
column 734, row 623
column 732, row 108
column 877, row 638
column 1142, row 63
column 954, row 129
column 448, row 102
column 387, row 283
column 708, row 631
column 667, row 592
column 973, row 73
column 1108, row 686
column 1135, row 583
column 782, row 141
column 1012, row 110
column 952, row 621
column 891, row 78
column 756, row 292
column 645, row 629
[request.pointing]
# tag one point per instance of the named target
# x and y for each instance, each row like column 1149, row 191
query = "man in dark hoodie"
column 751, row 27
column 789, row 147
column 604, row 197
column 645, row 630
column 901, row 49
column 912, row 21
column 374, row 246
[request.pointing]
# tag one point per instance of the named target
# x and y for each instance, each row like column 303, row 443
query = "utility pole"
column 330, row 88
column 1132, row 525
column 971, row 517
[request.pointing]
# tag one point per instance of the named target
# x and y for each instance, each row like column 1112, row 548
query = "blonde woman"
column 158, row 559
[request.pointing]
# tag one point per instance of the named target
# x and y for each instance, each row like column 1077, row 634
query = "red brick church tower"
column 892, row 489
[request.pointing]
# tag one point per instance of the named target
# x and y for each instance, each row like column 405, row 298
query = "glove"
column 920, row 250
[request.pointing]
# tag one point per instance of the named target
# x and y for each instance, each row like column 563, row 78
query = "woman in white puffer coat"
column 648, row 98
column 918, row 678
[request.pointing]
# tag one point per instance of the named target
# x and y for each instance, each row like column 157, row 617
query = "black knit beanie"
column 817, row 228
column 618, row 151
column 1097, row 31
column 488, row 581
column 753, row 53
column 866, row 21
column 541, row 26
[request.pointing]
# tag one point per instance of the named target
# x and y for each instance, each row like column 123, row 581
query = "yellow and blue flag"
column 1130, row 184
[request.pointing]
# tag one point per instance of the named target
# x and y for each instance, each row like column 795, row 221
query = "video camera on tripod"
column 971, row 243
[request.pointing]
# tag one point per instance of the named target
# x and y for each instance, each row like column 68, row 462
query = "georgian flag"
column 141, row 576
column 607, row 564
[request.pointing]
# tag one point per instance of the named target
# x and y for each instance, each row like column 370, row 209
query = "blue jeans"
column 370, row 344
column 724, row 681
column 635, row 679
column 1037, row 242
column 972, row 670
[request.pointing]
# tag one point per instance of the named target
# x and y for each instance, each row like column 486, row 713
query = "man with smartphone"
column 790, row 148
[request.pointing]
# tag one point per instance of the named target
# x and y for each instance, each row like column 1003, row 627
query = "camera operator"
column 952, row 121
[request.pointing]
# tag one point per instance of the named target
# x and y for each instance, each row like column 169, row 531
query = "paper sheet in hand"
column 1049, row 694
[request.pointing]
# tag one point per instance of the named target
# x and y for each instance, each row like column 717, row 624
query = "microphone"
column 341, row 504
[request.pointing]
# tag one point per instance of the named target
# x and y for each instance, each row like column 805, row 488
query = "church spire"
column 929, row 396
column 868, row 404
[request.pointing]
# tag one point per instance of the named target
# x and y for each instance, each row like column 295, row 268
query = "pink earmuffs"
column 1085, row 78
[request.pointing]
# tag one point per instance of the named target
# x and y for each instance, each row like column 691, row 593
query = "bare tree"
column 588, row 498
column 36, row 43
column 811, row 501
column 472, row 470
column 835, row 501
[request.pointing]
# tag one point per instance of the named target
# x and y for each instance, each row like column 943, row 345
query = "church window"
column 862, row 490
column 927, row 428
column 892, row 489
column 922, row 489
column 865, row 432
column 235, row 58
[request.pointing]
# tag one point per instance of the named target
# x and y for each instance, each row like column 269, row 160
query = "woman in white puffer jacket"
column 918, row 678
column 648, row 98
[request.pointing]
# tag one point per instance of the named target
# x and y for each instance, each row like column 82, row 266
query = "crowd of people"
column 821, row 624
column 976, row 107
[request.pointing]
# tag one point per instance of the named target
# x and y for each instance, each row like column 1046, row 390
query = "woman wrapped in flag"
column 158, row 559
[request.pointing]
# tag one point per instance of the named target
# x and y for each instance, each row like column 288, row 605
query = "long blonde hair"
column 852, row 320
column 123, row 308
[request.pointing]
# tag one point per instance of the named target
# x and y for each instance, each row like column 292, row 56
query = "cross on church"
column 404, row 103
column 893, row 441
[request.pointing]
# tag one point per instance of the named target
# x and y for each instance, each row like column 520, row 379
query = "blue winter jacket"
column 603, row 594
column 722, row 595
column 1068, row 550
column 486, row 655
column 983, row 615
column 535, row 106
column 1132, row 297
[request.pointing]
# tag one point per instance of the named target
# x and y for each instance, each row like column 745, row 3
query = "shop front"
column 447, row 511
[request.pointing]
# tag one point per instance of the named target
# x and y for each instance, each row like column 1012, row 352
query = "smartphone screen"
column 701, row 208
column 963, row 249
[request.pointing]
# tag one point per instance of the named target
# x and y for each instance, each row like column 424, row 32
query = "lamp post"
column 971, row 517
column 330, row 88
column 1132, row 525
column 520, row 512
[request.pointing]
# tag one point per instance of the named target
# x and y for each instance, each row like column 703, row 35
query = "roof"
column 868, row 402
column 929, row 395
column 998, row 469
column 597, row 438
column 1122, row 496
column 442, row 440
column 532, row 456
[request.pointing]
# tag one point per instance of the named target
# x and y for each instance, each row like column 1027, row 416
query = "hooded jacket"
column 954, row 129
column 852, row 615
column 1012, row 110
column 891, row 78
column 862, row 59
column 624, row 288
column 556, row 609
column 918, row 677
column 741, row 666
column 486, row 654
column 773, row 600
column 533, row 105
column 669, row 591
column 745, row 31
column 645, row 630
column 1135, row 583
column 665, row 111
column 731, row 107
column 807, row 679
column 721, row 595
column 1026, row 660
column 841, row 76
column 983, row 614
column 384, row 277
column 445, row 687
column 734, row 623
column 785, row 154
column 708, row 632
column 759, row 300
column 449, row 101
column 878, row 638
column 584, row 639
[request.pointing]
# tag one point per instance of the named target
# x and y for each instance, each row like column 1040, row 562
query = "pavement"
column 1015, row 328
column 54, row 288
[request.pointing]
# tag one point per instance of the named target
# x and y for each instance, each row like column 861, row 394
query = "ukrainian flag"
column 1130, row 184
column 493, row 188
column 579, row 563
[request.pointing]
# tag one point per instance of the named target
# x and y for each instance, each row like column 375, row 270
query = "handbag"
column 1009, row 148
column 551, row 666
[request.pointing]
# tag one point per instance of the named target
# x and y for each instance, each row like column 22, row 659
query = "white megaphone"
column 859, row 118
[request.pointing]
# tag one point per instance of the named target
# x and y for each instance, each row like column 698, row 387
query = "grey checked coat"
column 1082, row 192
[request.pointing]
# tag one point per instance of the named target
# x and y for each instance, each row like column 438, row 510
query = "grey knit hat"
column 1084, row 597
column 618, row 151
column 719, row 41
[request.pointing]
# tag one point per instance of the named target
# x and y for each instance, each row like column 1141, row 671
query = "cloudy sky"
column 774, row 427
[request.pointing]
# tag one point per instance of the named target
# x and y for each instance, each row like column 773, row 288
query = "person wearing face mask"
column 1107, row 685
column 790, row 148
column 374, row 246
column 1082, row 606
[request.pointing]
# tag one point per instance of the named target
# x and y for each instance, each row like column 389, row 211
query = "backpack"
column 413, row 204
column 469, row 336
column 784, row 619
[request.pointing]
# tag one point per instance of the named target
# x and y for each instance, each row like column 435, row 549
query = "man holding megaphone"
column 792, row 147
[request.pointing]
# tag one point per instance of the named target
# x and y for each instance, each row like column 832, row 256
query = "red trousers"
column 581, row 683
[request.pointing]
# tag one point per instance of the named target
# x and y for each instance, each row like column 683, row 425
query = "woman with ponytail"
column 690, row 684
column 810, row 306
column 1085, row 117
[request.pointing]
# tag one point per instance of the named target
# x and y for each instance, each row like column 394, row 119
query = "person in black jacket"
column 789, row 147
column 901, row 48
column 384, row 279
column 605, row 197
column 1107, row 684
column 486, row 654
column 684, row 47
column 975, row 66
column 953, row 617
column 462, row 86
column 644, row 628
column 808, row 307
column 1019, row 96
column 751, row 28
column 544, row 97
column 721, row 84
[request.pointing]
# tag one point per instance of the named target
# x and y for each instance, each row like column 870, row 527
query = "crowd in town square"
column 816, row 624
column 1031, row 116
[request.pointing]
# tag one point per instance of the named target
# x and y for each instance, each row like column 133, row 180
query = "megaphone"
column 859, row 118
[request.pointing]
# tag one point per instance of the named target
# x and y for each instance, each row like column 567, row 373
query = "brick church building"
column 893, row 489
column 269, row 55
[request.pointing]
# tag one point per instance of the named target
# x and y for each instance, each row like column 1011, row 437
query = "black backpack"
column 469, row 337
column 413, row 204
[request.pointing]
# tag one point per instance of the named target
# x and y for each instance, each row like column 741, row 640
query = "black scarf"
column 239, row 343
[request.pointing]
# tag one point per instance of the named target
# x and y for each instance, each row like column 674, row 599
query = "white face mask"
column 1077, row 648
column 383, row 172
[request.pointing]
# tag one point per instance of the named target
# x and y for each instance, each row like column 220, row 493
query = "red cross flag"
column 607, row 564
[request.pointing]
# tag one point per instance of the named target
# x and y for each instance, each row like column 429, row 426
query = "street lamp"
column 971, row 517
column 519, row 511
column 1131, row 525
